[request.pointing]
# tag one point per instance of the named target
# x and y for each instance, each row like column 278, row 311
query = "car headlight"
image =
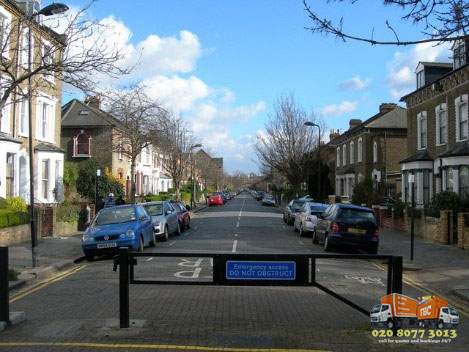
column 87, row 238
column 130, row 234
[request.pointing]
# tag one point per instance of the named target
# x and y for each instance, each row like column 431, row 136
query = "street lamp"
column 192, row 174
column 312, row 124
column 53, row 9
column 98, row 173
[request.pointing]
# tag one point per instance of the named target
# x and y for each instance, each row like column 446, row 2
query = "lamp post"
column 53, row 9
column 192, row 175
column 98, row 173
column 312, row 124
column 412, row 219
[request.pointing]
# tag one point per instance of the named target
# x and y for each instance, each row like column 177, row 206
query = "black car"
column 347, row 225
column 292, row 209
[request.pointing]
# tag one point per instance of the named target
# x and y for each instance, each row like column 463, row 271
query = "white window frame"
column 75, row 145
column 50, row 120
column 338, row 156
column 23, row 118
column 375, row 152
column 439, row 109
column 422, row 115
column 458, row 102
column 344, row 155
column 5, row 120
column 420, row 76
column 352, row 153
column 360, row 150
column 45, row 191
column 7, row 16
column 459, row 58
column 47, row 75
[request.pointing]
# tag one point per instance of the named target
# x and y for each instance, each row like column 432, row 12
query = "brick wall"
column 463, row 230
column 15, row 234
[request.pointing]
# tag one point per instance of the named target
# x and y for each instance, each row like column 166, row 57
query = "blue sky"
column 222, row 64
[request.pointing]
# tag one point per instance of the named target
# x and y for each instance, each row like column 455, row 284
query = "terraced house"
column 437, row 124
column 372, row 148
column 46, row 46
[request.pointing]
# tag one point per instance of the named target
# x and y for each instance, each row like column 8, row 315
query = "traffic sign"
column 260, row 270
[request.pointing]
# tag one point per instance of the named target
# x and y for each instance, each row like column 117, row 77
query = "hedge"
column 10, row 217
column 160, row 197
column 68, row 213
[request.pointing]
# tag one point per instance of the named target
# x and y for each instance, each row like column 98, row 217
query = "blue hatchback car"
column 121, row 226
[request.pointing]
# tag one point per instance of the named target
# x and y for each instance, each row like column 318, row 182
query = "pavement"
column 79, row 310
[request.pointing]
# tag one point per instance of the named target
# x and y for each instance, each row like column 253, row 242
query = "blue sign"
column 260, row 270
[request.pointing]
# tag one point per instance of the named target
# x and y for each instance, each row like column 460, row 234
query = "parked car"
column 121, row 226
column 165, row 219
column 184, row 217
column 307, row 217
column 215, row 199
column 269, row 199
column 291, row 210
column 260, row 195
column 223, row 196
column 347, row 225
column 308, row 198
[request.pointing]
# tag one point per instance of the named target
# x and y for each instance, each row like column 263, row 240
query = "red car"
column 215, row 200
column 183, row 215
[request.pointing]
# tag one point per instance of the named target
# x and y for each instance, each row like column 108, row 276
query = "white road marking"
column 189, row 274
column 301, row 242
column 172, row 243
column 237, row 225
column 366, row 279
column 190, row 263
column 151, row 258
column 195, row 228
column 236, row 235
column 235, row 244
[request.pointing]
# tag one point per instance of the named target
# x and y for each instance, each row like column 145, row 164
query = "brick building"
column 437, row 124
column 372, row 148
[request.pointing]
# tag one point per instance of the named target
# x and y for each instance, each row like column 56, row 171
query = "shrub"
column 364, row 193
column 447, row 200
column 12, row 275
column 186, row 197
column 160, row 197
column 86, row 181
column 3, row 203
column 10, row 217
column 16, row 204
column 67, row 212
column 399, row 208
column 70, row 173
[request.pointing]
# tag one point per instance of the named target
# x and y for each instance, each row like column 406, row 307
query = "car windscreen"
column 297, row 205
column 318, row 207
column 115, row 216
column 154, row 209
column 355, row 216
column 453, row 311
column 268, row 196
column 376, row 308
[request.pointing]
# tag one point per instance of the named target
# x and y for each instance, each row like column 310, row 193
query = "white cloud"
column 401, row 69
column 355, row 83
column 243, row 113
column 339, row 109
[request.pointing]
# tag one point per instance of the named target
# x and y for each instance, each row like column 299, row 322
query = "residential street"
column 80, row 312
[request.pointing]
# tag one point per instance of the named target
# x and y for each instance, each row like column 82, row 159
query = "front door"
column 10, row 175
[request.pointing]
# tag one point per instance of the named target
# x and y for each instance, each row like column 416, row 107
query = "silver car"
column 164, row 218
column 269, row 199
column 307, row 217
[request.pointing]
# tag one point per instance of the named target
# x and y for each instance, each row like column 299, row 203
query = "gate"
column 250, row 270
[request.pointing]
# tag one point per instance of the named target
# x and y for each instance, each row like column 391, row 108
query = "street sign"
column 260, row 270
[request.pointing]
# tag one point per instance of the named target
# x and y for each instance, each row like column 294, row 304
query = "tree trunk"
column 133, row 189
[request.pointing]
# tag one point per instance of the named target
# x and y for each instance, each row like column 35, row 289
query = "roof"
column 421, row 155
column 46, row 147
column 76, row 114
column 436, row 64
column 460, row 149
column 7, row 138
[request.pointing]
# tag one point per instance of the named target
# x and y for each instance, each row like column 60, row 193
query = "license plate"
column 357, row 231
column 107, row 245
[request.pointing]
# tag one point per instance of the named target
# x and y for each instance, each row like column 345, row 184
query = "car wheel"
column 440, row 325
column 284, row 218
column 178, row 230
column 294, row 228
column 315, row 239
column 153, row 241
column 390, row 324
column 182, row 227
column 327, row 245
column 140, row 245
column 89, row 257
column 165, row 234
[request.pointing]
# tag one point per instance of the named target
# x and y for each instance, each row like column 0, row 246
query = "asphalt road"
column 80, row 311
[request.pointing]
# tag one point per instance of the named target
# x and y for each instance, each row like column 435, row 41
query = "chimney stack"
column 354, row 123
column 93, row 101
column 387, row 107
column 333, row 134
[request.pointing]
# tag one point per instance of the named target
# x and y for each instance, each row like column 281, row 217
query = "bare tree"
column 139, row 118
column 174, row 142
column 440, row 20
column 72, row 48
column 286, row 142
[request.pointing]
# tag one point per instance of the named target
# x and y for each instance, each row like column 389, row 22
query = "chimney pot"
column 94, row 101
column 387, row 107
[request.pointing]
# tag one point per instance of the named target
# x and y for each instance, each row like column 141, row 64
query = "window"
column 406, row 188
column 461, row 117
column 10, row 175
column 449, row 179
column 48, row 59
column 82, row 145
column 24, row 118
column 120, row 149
column 375, row 152
column 464, row 182
column 360, row 150
column 352, row 153
column 4, row 33
column 422, row 130
column 25, row 48
column 338, row 156
column 45, row 179
column 420, row 79
column 5, row 118
column 147, row 156
column 441, row 124
column 344, row 155
column 459, row 55
column 45, row 120
column 426, row 187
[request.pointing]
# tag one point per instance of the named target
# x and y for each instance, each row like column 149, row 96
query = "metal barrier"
column 251, row 270
column 4, row 295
